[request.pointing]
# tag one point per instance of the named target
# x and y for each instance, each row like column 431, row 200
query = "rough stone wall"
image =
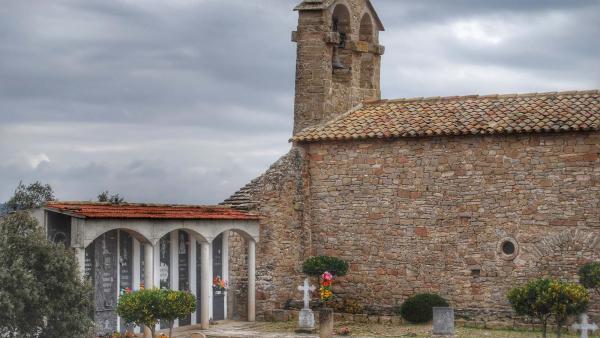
column 277, row 197
column 322, row 92
column 429, row 214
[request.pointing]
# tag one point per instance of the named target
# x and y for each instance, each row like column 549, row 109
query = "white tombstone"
column 306, row 318
column 443, row 321
column 584, row 326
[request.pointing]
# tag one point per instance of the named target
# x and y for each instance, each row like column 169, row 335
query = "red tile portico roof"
column 463, row 115
column 153, row 211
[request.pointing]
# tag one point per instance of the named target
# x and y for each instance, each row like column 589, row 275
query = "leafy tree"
column 31, row 196
column 316, row 266
column 148, row 307
column 141, row 307
column 531, row 300
column 542, row 298
column 41, row 291
column 105, row 196
column 566, row 299
column 175, row 305
column 589, row 276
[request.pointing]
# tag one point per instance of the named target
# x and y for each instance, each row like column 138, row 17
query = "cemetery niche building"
column 124, row 247
column 464, row 196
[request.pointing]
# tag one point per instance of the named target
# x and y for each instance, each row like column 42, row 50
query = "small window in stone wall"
column 508, row 248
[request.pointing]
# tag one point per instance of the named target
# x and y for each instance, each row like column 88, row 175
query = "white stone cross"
column 584, row 326
column 307, row 290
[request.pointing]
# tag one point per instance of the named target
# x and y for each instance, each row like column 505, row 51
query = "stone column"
column 135, row 271
column 80, row 253
column 251, row 280
column 148, row 274
column 205, row 284
column 326, row 323
column 174, row 265
column 156, row 265
column 192, row 274
column 148, row 266
column 225, row 265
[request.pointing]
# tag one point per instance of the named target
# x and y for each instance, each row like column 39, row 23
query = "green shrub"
column 419, row 308
column 542, row 298
column 141, row 308
column 175, row 305
column 589, row 276
column 316, row 266
column 148, row 307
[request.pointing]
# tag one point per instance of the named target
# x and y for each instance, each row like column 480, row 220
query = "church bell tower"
column 338, row 59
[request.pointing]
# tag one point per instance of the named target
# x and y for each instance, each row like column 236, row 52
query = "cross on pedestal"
column 307, row 290
column 584, row 326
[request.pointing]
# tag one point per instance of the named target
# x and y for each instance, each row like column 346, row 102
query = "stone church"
column 464, row 196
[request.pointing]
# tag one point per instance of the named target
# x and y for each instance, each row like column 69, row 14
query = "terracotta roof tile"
column 154, row 211
column 463, row 115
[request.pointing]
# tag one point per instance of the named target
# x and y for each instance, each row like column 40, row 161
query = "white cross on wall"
column 584, row 326
column 307, row 290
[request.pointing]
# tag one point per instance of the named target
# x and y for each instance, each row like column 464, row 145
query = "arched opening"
column 367, row 62
column 236, row 270
column 114, row 263
column 342, row 57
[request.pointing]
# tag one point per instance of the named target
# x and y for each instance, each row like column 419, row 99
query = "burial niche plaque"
column 443, row 321
column 105, row 262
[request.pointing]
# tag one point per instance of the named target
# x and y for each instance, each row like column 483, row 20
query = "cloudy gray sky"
column 187, row 100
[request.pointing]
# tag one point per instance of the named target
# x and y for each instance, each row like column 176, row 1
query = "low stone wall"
column 477, row 318
column 292, row 315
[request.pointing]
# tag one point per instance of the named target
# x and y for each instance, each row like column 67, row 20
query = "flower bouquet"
column 219, row 285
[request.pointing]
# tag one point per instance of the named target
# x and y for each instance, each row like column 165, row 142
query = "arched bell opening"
column 342, row 55
column 367, row 59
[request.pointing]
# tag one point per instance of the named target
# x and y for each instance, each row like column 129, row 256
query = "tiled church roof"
column 463, row 115
column 154, row 211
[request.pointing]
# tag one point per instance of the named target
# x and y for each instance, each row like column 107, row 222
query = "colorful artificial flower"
column 219, row 283
column 325, row 290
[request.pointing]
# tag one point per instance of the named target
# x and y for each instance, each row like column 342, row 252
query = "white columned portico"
column 251, row 280
column 205, row 284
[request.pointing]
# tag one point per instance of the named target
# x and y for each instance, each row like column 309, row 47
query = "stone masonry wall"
column 283, row 245
column 429, row 214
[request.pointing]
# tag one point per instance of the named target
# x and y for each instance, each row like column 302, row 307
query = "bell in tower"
column 338, row 59
column 337, row 63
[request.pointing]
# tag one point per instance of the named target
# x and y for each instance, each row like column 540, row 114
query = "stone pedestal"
column 306, row 321
column 443, row 321
column 326, row 323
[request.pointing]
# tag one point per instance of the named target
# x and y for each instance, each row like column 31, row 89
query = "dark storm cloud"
column 187, row 100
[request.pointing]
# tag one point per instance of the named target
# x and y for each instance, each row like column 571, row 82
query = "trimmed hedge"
column 316, row 266
column 419, row 308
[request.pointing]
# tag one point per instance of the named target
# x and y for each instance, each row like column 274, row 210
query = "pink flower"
column 327, row 276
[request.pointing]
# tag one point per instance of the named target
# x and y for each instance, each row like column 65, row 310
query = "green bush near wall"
column 316, row 266
column 419, row 308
